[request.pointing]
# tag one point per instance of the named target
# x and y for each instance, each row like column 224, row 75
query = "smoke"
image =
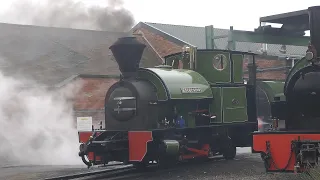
column 70, row 14
column 37, row 124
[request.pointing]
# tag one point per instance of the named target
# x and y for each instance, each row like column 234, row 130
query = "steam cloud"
column 70, row 14
column 37, row 124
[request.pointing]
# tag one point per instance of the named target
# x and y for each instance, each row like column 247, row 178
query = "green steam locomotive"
column 196, row 105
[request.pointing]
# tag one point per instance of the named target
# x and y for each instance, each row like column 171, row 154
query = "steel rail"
column 132, row 172
column 107, row 172
column 154, row 169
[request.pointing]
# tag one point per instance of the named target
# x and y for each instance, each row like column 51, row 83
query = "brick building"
column 57, row 56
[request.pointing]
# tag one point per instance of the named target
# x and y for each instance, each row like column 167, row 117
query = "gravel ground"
column 42, row 172
column 35, row 172
column 246, row 166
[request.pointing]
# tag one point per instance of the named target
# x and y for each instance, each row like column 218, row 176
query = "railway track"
column 129, row 171
column 106, row 173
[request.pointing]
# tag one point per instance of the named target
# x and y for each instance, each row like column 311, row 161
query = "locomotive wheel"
column 229, row 150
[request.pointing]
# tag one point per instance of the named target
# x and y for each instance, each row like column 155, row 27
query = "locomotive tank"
column 145, row 97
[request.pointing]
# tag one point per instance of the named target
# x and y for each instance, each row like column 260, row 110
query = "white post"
column 264, row 46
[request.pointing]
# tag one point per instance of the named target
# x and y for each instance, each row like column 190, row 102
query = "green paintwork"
column 206, row 69
column 169, row 82
column 227, row 75
column 237, row 60
column 215, row 107
column 204, row 65
column 161, row 89
column 234, row 104
column 172, row 147
column 249, row 36
column 229, row 104
column 223, row 105
column 272, row 89
column 297, row 66
column 254, row 37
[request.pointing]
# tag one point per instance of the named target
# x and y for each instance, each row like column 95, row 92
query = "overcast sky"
column 243, row 15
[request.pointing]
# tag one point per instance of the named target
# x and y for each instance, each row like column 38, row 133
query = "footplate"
column 287, row 152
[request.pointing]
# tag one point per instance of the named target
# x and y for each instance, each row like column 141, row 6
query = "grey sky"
column 243, row 15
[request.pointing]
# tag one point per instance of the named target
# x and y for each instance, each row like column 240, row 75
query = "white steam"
column 37, row 124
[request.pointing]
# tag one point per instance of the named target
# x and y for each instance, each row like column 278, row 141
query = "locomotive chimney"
column 128, row 52
column 314, row 25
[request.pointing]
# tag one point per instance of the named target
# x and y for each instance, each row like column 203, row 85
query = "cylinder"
column 171, row 147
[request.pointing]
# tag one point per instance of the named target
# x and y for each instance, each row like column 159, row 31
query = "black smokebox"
column 128, row 52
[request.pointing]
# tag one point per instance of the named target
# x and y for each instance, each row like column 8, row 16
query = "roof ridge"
column 160, row 30
column 182, row 25
column 61, row 28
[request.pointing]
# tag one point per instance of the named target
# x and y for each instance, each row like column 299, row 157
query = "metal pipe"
column 85, row 161
column 264, row 45
column 314, row 25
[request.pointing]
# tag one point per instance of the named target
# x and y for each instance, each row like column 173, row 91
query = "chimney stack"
column 128, row 52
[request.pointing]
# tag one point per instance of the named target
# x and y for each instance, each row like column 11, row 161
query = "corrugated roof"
column 51, row 55
column 190, row 34
column 196, row 36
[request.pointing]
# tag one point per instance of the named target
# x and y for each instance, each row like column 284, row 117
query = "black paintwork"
column 302, row 100
column 314, row 25
column 127, row 52
column 139, row 119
